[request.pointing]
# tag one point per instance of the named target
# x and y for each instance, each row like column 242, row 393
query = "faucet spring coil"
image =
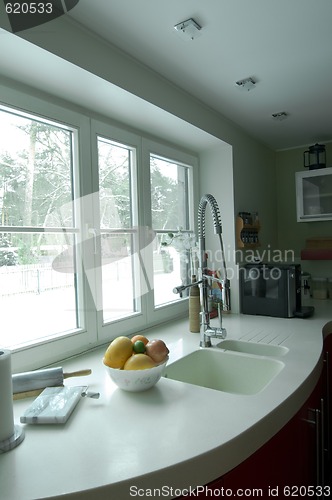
column 208, row 199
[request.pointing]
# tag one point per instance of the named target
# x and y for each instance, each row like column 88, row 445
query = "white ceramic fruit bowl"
column 136, row 380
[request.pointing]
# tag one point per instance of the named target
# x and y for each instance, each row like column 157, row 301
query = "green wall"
column 292, row 234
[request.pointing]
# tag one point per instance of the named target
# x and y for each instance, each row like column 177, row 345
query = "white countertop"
column 174, row 435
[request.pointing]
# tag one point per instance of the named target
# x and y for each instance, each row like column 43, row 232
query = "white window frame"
column 122, row 326
column 179, row 308
column 88, row 129
column 46, row 352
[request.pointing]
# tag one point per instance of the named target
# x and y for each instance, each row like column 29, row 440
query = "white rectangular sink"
column 253, row 348
column 225, row 371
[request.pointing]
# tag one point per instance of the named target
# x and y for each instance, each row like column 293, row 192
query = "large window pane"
column 39, row 297
column 116, row 170
column 35, row 182
column 169, row 194
column 171, row 221
column 37, row 294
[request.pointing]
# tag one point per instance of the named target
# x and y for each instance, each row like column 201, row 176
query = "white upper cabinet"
column 314, row 195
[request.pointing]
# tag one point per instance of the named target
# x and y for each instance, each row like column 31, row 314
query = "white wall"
column 216, row 178
column 255, row 188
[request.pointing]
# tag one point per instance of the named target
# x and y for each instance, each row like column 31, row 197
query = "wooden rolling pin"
column 39, row 379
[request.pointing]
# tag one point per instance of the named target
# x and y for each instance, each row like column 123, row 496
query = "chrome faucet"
column 206, row 330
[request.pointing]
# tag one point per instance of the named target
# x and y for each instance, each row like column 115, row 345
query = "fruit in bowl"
column 117, row 353
column 135, row 364
column 157, row 350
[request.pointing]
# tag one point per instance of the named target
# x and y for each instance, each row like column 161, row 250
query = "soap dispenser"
column 194, row 307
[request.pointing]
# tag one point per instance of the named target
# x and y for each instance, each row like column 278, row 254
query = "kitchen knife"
column 39, row 379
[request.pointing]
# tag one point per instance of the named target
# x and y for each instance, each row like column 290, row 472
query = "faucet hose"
column 208, row 199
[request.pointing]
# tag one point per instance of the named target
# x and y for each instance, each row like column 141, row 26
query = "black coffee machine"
column 270, row 289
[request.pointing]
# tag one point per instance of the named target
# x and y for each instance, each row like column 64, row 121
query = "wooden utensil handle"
column 27, row 394
column 79, row 373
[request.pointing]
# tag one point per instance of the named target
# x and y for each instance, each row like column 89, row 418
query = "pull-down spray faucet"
column 207, row 331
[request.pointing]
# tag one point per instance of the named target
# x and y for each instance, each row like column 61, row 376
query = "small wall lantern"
column 315, row 157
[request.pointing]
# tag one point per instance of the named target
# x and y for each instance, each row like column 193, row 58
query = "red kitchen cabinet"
column 287, row 461
column 290, row 460
column 327, row 408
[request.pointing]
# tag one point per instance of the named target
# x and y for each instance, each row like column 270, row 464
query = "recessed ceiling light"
column 188, row 30
column 282, row 115
column 246, row 84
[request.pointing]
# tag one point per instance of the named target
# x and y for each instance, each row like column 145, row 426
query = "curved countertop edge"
column 211, row 464
column 327, row 329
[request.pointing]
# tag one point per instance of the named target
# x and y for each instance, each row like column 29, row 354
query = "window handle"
column 93, row 231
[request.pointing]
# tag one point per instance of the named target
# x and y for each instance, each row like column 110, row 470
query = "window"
column 118, row 216
column 171, row 221
column 85, row 212
column 38, row 187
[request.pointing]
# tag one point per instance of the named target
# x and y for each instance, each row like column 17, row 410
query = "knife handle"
column 79, row 373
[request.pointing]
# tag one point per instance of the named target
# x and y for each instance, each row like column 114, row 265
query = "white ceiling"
column 285, row 45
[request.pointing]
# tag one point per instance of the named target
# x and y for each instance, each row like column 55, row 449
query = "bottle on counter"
column 319, row 288
column 210, row 302
column 329, row 287
column 194, row 307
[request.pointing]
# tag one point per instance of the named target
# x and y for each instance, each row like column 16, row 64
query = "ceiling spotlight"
column 188, row 30
column 282, row 115
column 246, row 84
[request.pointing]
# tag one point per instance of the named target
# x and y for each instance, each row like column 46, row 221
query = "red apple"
column 157, row 350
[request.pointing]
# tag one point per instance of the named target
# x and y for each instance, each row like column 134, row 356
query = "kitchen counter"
column 174, row 435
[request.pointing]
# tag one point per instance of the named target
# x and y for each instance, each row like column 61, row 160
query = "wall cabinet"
column 314, row 195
